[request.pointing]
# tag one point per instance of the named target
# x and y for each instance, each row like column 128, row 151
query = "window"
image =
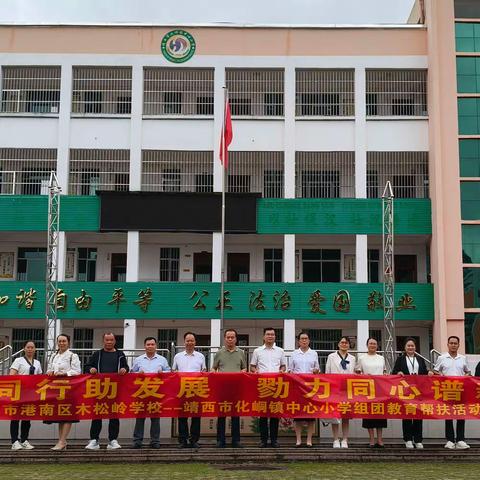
column 238, row 267
column 377, row 335
column 178, row 91
column 31, row 264
column 204, row 183
column 31, row 89
column 321, row 265
column 166, row 336
column 407, row 172
column 177, row 171
column 22, row 335
column 26, row 170
column 87, row 263
column 98, row 169
column 102, row 90
column 373, row 265
column 172, row 103
column 272, row 258
column 470, row 157
column 256, row 93
column 325, row 174
column 396, row 92
column 118, row 268
column 324, row 339
column 259, row 172
column 279, row 337
column 470, row 200
column 405, row 269
column 202, row 266
column 83, row 343
column 169, row 264
column 326, row 93
column 471, row 243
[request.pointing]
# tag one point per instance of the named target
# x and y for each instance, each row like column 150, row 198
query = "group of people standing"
column 269, row 358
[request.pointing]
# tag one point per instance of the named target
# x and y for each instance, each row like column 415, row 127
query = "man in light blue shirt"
column 149, row 362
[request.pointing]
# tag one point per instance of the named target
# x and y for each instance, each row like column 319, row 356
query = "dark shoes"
column 194, row 445
column 237, row 445
column 137, row 445
column 155, row 445
column 263, row 445
column 220, row 444
column 183, row 445
column 275, row 445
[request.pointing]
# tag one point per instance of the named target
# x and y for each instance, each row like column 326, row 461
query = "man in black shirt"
column 106, row 360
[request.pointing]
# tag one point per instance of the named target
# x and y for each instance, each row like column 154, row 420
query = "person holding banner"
column 372, row 363
column 268, row 359
column 24, row 365
column 304, row 360
column 189, row 361
column 149, row 362
column 411, row 364
column 340, row 362
column 63, row 363
column 453, row 364
column 107, row 360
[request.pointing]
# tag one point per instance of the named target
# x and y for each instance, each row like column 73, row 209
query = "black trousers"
column 264, row 429
column 113, row 429
column 412, row 431
column 183, row 434
column 221, row 423
column 24, row 430
column 450, row 432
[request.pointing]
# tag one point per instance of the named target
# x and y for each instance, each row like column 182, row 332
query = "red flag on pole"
column 227, row 134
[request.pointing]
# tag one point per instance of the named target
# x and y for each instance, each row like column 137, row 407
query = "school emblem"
column 178, row 46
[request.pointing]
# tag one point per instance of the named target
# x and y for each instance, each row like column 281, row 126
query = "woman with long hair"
column 63, row 363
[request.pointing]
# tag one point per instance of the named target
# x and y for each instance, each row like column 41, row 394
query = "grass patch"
column 194, row 471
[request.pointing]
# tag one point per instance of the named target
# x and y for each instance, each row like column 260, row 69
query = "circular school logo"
column 178, row 46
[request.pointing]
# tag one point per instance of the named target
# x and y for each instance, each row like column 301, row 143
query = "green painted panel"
column 470, row 200
column 341, row 216
column 29, row 213
column 177, row 300
column 469, row 157
column 468, row 74
column 467, row 36
column 468, row 116
column 471, row 243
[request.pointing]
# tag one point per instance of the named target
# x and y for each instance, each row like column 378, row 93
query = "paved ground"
column 303, row 471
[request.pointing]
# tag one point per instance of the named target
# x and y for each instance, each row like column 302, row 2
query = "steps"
column 251, row 454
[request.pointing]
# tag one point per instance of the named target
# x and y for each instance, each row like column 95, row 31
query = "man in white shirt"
column 149, row 362
column 455, row 365
column 268, row 359
column 189, row 361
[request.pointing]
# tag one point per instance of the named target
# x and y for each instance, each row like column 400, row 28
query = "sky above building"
column 167, row 12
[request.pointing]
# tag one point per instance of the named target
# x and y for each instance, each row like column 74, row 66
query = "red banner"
column 38, row 397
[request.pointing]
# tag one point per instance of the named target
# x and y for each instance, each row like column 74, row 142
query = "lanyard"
column 412, row 363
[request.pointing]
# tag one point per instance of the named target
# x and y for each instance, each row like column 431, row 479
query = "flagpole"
column 224, row 168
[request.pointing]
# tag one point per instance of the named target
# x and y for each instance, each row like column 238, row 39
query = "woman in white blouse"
column 63, row 363
column 25, row 365
column 372, row 363
column 341, row 362
column 304, row 360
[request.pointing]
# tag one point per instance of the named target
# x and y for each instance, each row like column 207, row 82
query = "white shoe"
column 461, row 445
column 113, row 445
column 27, row 445
column 450, row 445
column 344, row 443
column 419, row 445
column 17, row 446
column 93, row 445
column 409, row 444
column 336, row 444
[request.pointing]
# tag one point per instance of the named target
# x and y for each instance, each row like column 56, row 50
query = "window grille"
column 31, row 90
column 31, row 264
column 102, row 90
column 257, row 93
column 396, row 93
column 407, row 171
column 177, row 171
column 83, row 341
column 166, row 336
column 325, row 93
column 94, row 169
column 323, row 339
column 87, row 264
column 321, row 265
column 22, row 335
column 259, row 172
column 325, row 174
column 26, row 171
column 169, row 264
column 178, row 91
